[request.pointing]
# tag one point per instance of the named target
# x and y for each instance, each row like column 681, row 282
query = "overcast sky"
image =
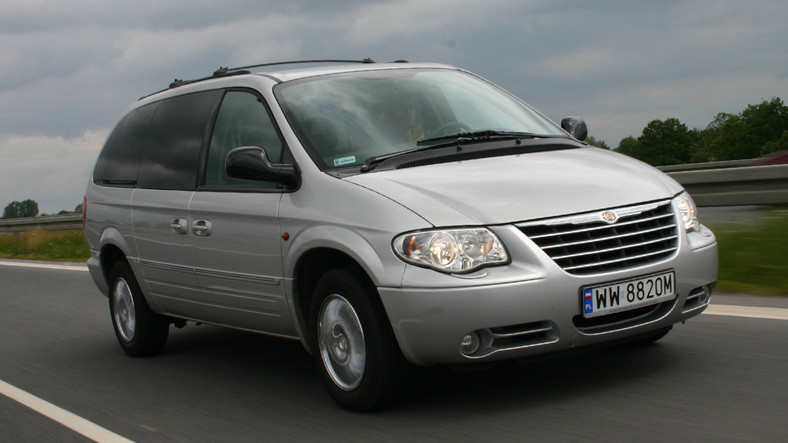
column 68, row 69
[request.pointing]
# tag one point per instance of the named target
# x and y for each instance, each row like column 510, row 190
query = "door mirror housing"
column 576, row 127
column 251, row 163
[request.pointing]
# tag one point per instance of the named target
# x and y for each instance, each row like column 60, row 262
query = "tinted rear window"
column 117, row 164
column 171, row 154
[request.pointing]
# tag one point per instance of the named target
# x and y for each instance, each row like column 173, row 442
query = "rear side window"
column 118, row 161
column 171, row 154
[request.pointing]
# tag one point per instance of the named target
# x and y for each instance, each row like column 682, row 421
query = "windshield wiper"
column 475, row 136
column 451, row 140
column 371, row 162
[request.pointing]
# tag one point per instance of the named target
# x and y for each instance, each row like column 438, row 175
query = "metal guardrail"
column 47, row 223
column 751, row 185
column 710, row 184
column 708, row 165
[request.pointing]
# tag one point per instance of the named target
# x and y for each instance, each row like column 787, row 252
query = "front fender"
column 372, row 252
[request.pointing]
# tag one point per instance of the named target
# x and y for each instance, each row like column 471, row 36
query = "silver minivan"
column 384, row 215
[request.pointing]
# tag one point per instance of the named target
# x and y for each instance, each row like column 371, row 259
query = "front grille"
column 587, row 244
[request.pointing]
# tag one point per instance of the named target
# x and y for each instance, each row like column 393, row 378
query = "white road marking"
column 60, row 415
column 25, row 264
column 748, row 311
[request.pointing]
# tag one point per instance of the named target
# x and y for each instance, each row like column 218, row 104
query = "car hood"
column 521, row 187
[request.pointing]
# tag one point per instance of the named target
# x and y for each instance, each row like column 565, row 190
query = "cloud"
column 69, row 69
column 53, row 171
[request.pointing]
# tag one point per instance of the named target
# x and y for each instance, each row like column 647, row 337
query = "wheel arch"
column 111, row 248
column 110, row 254
column 316, row 250
column 310, row 267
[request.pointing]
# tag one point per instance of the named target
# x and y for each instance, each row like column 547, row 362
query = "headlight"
column 452, row 250
column 688, row 211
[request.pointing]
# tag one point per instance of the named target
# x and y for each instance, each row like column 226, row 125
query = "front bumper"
column 539, row 314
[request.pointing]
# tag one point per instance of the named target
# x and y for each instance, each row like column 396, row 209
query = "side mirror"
column 576, row 127
column 251, row 163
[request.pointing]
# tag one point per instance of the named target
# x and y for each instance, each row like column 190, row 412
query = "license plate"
column 628, row 294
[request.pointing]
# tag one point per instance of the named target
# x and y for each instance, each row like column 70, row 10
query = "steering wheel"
column 448, row 128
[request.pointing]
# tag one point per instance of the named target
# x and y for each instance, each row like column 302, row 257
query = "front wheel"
column 353, row 344
column 139, row 330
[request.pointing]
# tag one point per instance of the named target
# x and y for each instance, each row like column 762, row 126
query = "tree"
column 754, row 132
column 666, row 142
column 704, row 150
column 628, row 146
column 15, row 209
column 757, row 131
column 781, row 144
column 663, row 142
column 598, row 143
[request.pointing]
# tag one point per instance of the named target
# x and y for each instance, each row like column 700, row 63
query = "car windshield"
column 345, row 119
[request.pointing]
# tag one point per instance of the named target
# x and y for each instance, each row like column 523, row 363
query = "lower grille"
column 512, row 337
column 697, row 297
column 622, row 320
column 606, row 241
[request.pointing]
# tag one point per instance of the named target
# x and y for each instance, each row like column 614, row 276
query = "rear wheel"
column 139, row 330
column 353, row 344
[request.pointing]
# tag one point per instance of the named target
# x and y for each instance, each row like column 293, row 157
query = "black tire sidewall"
column 380, row 378
column 151, row 329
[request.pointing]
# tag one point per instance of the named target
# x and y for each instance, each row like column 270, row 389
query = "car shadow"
column 261, row 361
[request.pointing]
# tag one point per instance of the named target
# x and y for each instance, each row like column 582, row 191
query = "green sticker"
column 344, row 160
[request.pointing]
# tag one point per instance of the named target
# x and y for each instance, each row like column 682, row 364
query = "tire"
column 353, row 345
column 140, row 331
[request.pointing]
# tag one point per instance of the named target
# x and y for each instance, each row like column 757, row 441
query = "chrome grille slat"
column 520, row 333
column 602, row 227
column 612, row 237
column 609, row 262
column 585, row 244
column 620, row 248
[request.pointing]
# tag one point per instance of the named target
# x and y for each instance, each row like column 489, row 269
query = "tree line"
column 29, row 208
column 759, row 130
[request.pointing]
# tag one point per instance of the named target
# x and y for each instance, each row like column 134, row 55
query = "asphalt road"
column 715, row 378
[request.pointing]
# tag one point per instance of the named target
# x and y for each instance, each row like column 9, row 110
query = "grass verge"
column 45, row 245
column 753, row 256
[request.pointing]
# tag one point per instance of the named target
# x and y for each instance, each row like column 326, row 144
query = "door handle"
column 201, row 228
column 179, row 225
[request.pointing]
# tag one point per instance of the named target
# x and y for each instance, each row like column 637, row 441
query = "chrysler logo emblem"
column 609, row 216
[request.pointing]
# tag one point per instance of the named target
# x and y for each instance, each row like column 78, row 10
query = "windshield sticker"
column 344, row 160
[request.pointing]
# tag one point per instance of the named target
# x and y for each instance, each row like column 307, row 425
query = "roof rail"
column 225, row 71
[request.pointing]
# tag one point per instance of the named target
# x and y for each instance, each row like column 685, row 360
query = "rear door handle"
column 201, row 228
column 179, row 225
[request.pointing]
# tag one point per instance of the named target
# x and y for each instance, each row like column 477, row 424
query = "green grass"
column 45, row 245
column 753, row 255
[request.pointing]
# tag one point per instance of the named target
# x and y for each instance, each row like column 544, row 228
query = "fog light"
column 470, row 343
column 706, row 295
